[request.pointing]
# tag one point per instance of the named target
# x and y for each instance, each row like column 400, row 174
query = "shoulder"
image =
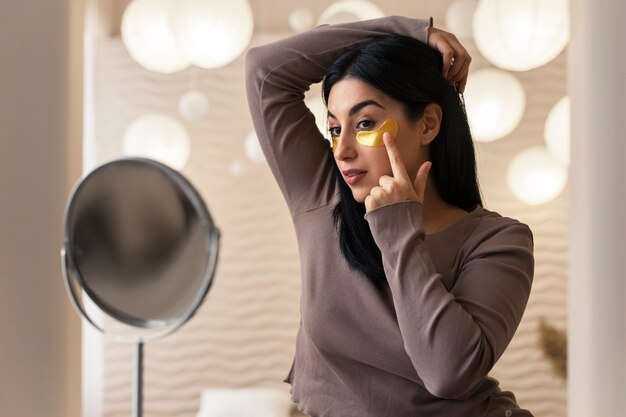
column 492, row 232
column 489, row 222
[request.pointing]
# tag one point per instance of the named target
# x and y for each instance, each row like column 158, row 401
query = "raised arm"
column 454, row 336
column 278, row 75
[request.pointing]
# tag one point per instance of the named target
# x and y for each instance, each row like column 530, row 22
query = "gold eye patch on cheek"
column 375, row 137
column 372, row 138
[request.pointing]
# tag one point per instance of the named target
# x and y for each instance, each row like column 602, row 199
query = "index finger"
column 397, row 164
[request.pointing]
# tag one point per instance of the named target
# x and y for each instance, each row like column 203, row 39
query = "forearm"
column 454, row 336
column 307, row 55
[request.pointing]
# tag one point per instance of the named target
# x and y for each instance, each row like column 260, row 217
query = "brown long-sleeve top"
column 422, row 346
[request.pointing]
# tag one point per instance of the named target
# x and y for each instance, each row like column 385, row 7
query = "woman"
column 411, row 290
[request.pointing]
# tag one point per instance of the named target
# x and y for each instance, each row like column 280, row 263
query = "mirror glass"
column 141, row 242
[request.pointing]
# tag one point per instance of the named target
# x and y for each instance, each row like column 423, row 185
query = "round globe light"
column 212, row 33
column 193, row 105
column 160, row 137
column 301, row 20
column 459, row 17
column 149, row 38
column 345, row 11
column 557, row 131
column 535, row 176
column 495, row 102
column 523, row 34
column 253, row 148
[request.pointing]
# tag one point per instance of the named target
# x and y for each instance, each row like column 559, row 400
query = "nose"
column 344, row 147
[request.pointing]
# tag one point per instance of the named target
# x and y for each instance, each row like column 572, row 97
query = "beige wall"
column 40, row 111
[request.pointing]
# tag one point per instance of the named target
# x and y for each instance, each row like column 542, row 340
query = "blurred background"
column 81, row 84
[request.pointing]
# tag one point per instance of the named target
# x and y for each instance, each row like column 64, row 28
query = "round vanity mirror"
column 141, row 247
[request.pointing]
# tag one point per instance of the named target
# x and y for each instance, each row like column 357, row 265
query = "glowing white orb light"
column 212, row 33
column 301, row 20
column 495, row 102
column 345, row 11
column 157, row 136
column 253, row 148
column 149, row 37
column 459, row 17
column 557, row 131
column 535, row 176
column 520, row 35
column 193, row 105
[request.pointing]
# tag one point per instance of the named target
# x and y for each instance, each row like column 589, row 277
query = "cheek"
column 379, row 162
column 411, row 153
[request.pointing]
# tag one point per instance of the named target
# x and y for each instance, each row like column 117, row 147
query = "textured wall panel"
column 244, row 333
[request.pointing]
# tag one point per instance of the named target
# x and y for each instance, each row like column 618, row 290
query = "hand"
column 399, row 187
column 456, row 60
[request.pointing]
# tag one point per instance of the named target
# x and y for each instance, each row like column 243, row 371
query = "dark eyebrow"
column 359, row 106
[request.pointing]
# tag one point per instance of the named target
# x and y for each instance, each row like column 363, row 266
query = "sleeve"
column 454, row 337
column 278, row 75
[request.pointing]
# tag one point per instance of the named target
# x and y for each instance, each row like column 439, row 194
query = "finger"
column 448, row 56
column 421, row 179
column 397, row 165
column 378, row 193
column 460, row 60
column 463, row 71
column 438, row 39
column 386, row 182
column 369, row 203
column 461, row 85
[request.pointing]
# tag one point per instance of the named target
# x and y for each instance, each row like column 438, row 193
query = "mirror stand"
column 138, row 389
column 138, row 343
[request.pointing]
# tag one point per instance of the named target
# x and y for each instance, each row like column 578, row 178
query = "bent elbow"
column 255, row 62
column 450, row 388
column 252, row 61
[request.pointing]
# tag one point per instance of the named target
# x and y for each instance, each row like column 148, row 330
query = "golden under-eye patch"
column 373, row 138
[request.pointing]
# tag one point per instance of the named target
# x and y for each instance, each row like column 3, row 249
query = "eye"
column 334, row 132
column 365, row 124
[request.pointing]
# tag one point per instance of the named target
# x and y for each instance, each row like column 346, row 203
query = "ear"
column 430, row 123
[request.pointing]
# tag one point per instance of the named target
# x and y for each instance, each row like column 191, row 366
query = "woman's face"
column 355, row 106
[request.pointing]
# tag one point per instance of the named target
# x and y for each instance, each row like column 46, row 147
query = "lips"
column 353, row 175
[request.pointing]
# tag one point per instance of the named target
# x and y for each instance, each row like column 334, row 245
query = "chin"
column 360, row 192
column 359, row 197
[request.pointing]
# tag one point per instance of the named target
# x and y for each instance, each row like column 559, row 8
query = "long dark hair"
column 410, row 72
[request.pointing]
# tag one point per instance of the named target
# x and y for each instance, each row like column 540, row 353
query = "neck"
column 438, row 214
